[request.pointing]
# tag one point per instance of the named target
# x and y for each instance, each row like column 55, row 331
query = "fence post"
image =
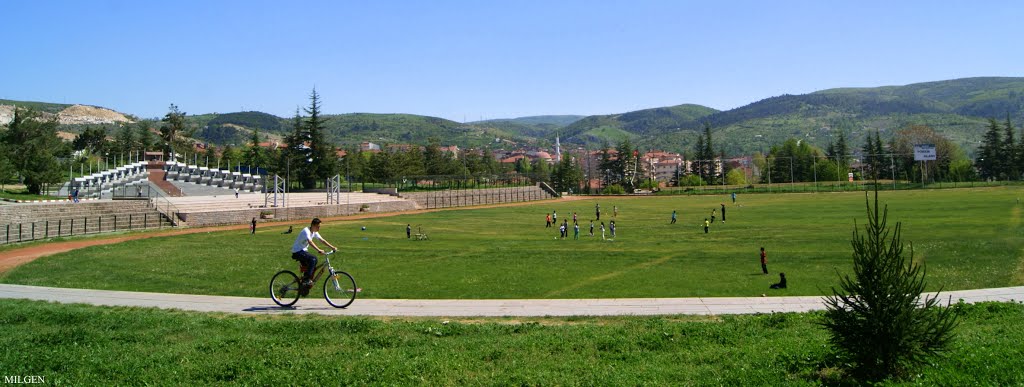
column 19, row 232
column 46, row 233
column 59, row 223
column 33, row 231
column 72, row 231
column 129, row 222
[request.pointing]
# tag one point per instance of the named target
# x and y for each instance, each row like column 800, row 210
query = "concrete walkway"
column 466, row 308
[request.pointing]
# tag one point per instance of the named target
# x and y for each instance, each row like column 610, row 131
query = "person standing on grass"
column 706, row 225
column 408, row 231
column 576, row 232
column 712, row 215
column 673, row 217
column 723, row 212
column 554, row 216
column 548, row 217
column 764, row 261
column 615, row 211
column 733, row 198
column 307, row 238
column 252, row 227
column 611, row 226
column 597, row 210
column 574, row 217
column 591, row 227
column 602, row 231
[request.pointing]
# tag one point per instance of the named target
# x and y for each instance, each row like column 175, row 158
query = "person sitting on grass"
column 782, row 282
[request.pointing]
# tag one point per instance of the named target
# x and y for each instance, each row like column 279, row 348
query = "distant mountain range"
column 958, row 108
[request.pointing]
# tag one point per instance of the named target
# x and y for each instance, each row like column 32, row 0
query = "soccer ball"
column 364, row 228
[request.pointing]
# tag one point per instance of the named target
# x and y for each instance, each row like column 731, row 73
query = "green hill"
column 647, row 124
column 956, row 108
column 535, row 126
column 38, row 106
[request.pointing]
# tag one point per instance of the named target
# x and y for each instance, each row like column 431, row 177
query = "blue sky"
column 472, row 60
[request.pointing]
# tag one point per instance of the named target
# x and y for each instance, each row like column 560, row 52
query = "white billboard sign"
column 924, row 152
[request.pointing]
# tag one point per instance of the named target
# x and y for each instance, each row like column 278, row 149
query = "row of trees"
column 798, row 161
column 1001, row 155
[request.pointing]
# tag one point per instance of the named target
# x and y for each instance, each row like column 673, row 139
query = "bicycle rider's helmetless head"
column 314, row 226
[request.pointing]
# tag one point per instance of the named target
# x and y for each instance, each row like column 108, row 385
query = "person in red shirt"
column 764, row 261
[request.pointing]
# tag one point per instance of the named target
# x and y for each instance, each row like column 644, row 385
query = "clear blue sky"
column 471, row 60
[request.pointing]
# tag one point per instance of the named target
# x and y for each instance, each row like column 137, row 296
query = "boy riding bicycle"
column 299, row 253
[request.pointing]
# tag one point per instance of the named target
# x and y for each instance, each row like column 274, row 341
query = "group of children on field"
column 552, row 218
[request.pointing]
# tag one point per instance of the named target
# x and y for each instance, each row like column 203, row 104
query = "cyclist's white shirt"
column 302, row 241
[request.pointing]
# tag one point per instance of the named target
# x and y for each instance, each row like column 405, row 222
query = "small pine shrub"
column 879, row 323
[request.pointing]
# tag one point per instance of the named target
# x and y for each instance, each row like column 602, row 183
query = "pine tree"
column 292, row 164
column 323, row 164
column 842, row 152
column 989, row 153
column 880, row 323
column 1009, row 150
column 884, row 168
column 175, row 123
column 254, row 155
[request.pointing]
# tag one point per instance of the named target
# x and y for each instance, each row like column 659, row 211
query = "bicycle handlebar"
column 330, row 252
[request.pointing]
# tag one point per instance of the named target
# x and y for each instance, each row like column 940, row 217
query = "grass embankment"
column 86, row 345
column 22, row 194
column 969, row 238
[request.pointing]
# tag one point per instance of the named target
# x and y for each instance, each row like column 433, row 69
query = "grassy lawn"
column 22, row 194
column 969, row 238
column 86, row 345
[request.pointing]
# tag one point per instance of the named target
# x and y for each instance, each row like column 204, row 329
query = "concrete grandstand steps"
column 157, row 176
column 217, row 210
column 46, row 211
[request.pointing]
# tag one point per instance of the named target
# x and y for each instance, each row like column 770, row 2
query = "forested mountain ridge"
column 958, row 109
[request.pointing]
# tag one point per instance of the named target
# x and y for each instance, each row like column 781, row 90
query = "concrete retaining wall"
column 476, row 197
column 213, row 218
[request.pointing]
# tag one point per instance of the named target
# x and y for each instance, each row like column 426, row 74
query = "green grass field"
column 88, row 345
column 968, row 238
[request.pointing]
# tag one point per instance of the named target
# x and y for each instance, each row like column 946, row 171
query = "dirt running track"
column 10, row 259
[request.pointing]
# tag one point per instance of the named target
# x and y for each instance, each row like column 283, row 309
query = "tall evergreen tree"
column 323, row 163
column 292, row 163
column 144, row 136
column 708, row 153
column 842, row 151
column 873, row 158
column 125, row 141
column 1010, row 157
column 174, row 123
column 990, row 152
column 884, row 164
column 697, row 167
column 255, row 156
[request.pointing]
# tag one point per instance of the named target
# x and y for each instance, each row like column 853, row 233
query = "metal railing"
column 80, row 225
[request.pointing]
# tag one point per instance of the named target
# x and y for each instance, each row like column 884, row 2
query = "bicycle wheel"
column 340, row 289
column 284, row 288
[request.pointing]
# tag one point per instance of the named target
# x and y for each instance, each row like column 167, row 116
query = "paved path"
column 466, row 308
